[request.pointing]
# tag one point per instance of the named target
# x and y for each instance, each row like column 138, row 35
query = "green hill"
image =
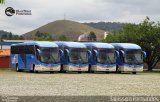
column 71, row 29
column 107, row 26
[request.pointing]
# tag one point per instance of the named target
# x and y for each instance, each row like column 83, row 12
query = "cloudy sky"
column 45, row 11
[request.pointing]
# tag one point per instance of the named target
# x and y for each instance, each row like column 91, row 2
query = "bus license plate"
column 134, row 69
column 79, row 69
column 51, row 68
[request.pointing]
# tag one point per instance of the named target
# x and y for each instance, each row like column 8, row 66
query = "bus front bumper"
column 47, row 68
column 131, row 68
column 75, row 68
column 103, row 68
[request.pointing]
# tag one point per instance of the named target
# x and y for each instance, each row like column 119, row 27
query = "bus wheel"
column 61, row 70
column 51, row 72
column 32, row 70
column 79, row 72
column 35, row 71
column 17, row 68
column 107, row 72
column 133, row 72
column 92, row 71
column 89, row 68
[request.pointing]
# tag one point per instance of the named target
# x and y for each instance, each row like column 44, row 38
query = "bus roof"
column 99, row 45
column 72, row 44
column 39, row 43
column 126, row 45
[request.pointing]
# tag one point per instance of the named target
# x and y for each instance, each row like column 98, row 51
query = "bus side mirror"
column 39, row 52
column 123, row 54
column 61, row 53
column 96, row 52
column 68, row 54
column 144, row 54
column 117, row 54
column 89, row 53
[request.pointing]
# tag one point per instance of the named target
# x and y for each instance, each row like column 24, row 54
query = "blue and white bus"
column 131, row 57
column 102, row 57
column 75, row 56
column 35, row 56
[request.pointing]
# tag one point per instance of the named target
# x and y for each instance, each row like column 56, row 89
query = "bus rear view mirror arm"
column 89, row 53
column 117, row 53
column 67, row 52
column 144, row 54
column 61, row 53
column 122, row 53
column 39, row 52
column 96, row 52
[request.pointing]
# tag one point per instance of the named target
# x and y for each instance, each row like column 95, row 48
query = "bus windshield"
column 49, row 55
column 78, row 55
column 133, row 57
column 106, row 56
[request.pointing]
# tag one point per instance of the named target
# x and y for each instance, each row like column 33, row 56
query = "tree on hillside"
column 145, row 34
column 92, row 36
column 62, row 37
column 11, row 36
column 21, row 38
column 42, row 36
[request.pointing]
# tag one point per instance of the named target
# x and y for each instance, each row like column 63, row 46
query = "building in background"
column 4, row 58
column 5, row 51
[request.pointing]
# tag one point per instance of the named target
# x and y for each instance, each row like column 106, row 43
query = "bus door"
column 22, row 61
column 29, row 58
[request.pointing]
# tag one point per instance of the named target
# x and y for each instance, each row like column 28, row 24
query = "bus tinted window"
column 22, row 49
column 29, row 49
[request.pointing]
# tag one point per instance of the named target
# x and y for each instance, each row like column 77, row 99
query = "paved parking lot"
column 74, row 84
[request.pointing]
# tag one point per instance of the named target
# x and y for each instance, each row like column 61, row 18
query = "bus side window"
column 29, row 49
column 13, row 49
column 21, row 49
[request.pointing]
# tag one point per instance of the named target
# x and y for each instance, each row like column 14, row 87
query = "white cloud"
column 45, row 11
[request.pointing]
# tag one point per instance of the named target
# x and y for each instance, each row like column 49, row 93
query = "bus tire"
column 107, row 72
column 32, row 70
column 134, row 72
column 51, row 72
column 64, row 71
column 35, row 71
column 79, row 72
column 92, row 71
column 17, row 68
column 117, row 70
column 61, row 70
column 89, row 68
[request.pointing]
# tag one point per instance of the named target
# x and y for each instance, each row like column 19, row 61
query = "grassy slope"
column 69, row 28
